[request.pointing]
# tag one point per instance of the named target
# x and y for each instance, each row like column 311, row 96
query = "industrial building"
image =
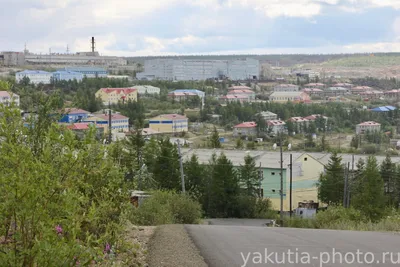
column 67, row 76
column 35, row 76
column 10, row 58
column 89, row 72
column 190, row 69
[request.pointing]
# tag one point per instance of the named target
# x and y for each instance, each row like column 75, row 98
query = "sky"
column 208, row 27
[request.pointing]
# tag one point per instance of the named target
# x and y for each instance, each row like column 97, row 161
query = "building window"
column 305, row 159
column 272, row 173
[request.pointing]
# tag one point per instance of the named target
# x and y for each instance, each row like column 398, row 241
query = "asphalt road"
column 239, row 245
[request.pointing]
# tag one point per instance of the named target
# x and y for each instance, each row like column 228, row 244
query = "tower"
column 93, row 44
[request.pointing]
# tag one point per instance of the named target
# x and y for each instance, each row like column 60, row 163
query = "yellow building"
column 115, row 95
column 169, row 123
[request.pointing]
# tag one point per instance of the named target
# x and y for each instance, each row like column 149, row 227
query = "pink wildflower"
column 59, row 229
column 107, row 249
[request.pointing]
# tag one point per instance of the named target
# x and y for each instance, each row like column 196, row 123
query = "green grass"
column 364, row 61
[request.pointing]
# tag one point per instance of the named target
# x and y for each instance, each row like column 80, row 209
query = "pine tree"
column 214, row 139
column 194, row 177
column 249, row 176
column 239, row 143
column 166, row 170
column 331, row 183
column 388, row 174
column 370, row 198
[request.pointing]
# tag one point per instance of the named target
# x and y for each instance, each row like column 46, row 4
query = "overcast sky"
column 159, row 27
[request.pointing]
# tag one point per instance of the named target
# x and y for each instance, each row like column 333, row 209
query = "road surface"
column 232, row 245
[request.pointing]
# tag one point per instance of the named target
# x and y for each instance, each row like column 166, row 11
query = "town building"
column 245, row 129
column 88, row 72
column 368, row 126
column 299, row 123
column 73, row 115
column 169, row 123
column 392, row 94
column 239, row 87
column 286, row 88
column 282, row 97
column 372, row 94
column 115, row 95
column 119, row 123
column 336, row 91
column 6, row 98
column 184, row 94
column 315, row 85
column 11, row 59
column 81, row 128
column 199, row 69
column 268, row 115
column 234, row 98
column 360, row 89
column 67, row 76
column 314, row 117
column 34, row 76
column 147, row 89
column 100, row 122
column 345, row 85
column 276, row 127
column 313, row 91
column 245, row 92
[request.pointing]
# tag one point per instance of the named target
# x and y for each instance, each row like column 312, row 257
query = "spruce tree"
column 370, row 198
column 388, row 174
column 194, row 177
column 331, row 183
column 214, row 139
column 249, row 176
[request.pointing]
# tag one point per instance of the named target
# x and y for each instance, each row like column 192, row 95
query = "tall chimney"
column 93, row 44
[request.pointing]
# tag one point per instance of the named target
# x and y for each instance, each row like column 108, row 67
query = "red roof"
column 118, row 90
column 240, row 91
column 173, row 116
column 79, row 126
column 275, row 122
column 234, row 97
column 181, row 94
column 311, row 90
column 314, row 117
column 248, row 124
column 113, row 117
column 75, row 111
column 240, row 87
column 298, row 119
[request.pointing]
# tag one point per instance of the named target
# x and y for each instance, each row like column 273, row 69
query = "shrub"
column 165, row 207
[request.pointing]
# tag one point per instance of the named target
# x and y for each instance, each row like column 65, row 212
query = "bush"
column 369, row 149
column 254, row 208
column 164, row 207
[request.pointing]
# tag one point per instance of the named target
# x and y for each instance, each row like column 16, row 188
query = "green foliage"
column 239, row 143
column 50, row 179
column 214, row 139
column 164, row 207
column 369, row 197
column 194, row 177
column 249, row 177
column 331, row 184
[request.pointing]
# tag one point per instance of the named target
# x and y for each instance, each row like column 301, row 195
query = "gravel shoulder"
column 171, row 246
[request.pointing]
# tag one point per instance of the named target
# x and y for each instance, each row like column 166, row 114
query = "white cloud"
column 396, row 27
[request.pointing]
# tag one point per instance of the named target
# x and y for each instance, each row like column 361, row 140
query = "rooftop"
column 337, row 88
column 172, row 116
column 240, row 91
column 75, row 111
column 369, row 123
column 294, row 93
column 79, row 126
column 113, row 116
column 83, row 69
column 7, row 94
column 247, row 124
column 311, row 90
column 234, row 97
column 67, row 72
column 118, row 90
column 239, row 87
column 275, row 122
column 33, row 72
column 314, row 117
column 298, row 119
column 287, row 85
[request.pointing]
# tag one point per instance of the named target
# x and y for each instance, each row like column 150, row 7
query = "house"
column 34, row 76
column 245, row 129
column 99, row 122
column 282, row 97
column 6, row 98
column 115, row 95
column 72, row 115
column 286, row 88
column 147, row 89
column 88, row 72
column 234, row 98
column 184, row 94
column 244, row 92
column 169, row 123
column 67, row 76
column 368, row 126
column 305, row 172
column 268, row 115
column 373, row 94
column 392, row 94
column 277, row 126
column 360, row 89
column 81, row 128
column 314, row 117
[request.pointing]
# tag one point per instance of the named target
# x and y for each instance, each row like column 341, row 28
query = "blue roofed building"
column 72, row 115
column 384, row 109
column 89, row 72
column 184, row 94
column 62, row 75
column 34, row 76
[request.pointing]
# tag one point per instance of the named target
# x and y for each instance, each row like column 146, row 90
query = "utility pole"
column 181, row 167
column 281, row 210
column 346, row 181
column 350, row 182
column 260, row 175
column 109, row 124
column 291, row 182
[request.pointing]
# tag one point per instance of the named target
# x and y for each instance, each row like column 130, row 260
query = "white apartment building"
column 368, row 126
column 198, row 69
column 268, row 115
column 277, row 126
column 8, row 97
column 35, row 76
column 147, row 89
